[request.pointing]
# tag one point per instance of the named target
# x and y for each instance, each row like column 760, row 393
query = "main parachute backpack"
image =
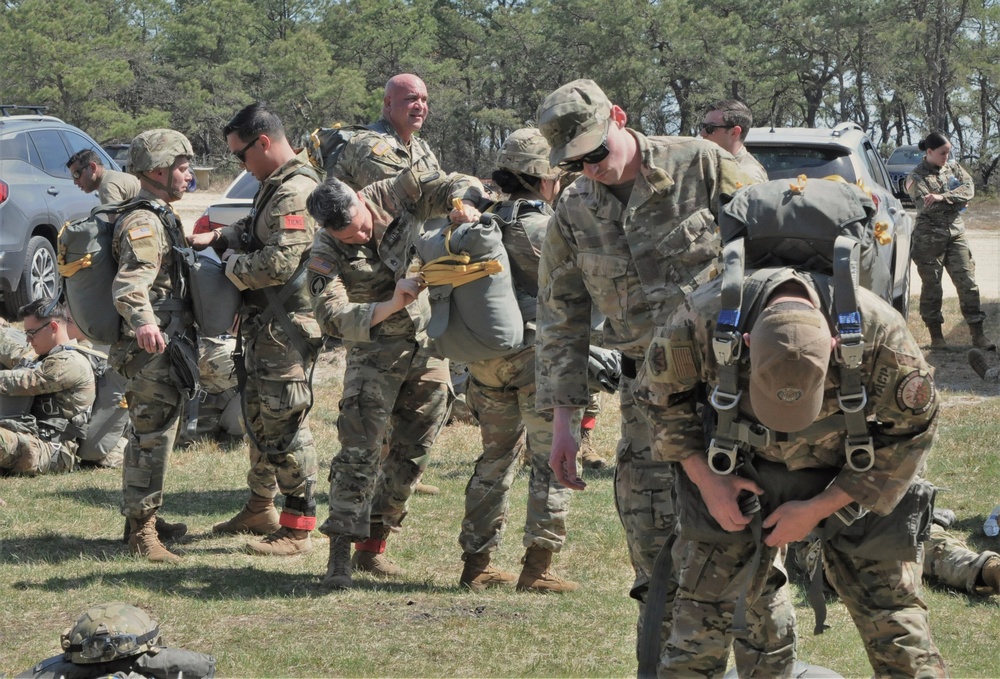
column 109, row 416
column 327, row 143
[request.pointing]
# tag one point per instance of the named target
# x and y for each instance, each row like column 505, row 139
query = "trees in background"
column 898, row 67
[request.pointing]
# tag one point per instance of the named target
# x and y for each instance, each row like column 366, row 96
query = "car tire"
column 39, row 277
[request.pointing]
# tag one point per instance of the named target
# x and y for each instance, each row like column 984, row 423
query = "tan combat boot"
column 144, row 541
column 991, row 573
column 283, row 542
column 536, row 576
column 588, row 458
column 937, row 337
column 338, row 568
column 478, row 574
column 979, row 339
column 258, row 517
column 369, row 556
column 165, row 529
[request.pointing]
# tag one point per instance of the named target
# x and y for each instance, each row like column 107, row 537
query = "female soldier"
column 940, row 190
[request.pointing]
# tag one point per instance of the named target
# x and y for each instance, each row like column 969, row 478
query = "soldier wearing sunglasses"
column 632, row 235
column 89, row 175
column 727, row 122
column 61, row 386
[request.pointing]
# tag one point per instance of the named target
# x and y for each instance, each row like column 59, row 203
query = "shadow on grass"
column 213, row 582
column 177, row 504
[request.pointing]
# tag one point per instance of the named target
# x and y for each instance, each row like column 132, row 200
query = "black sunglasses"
column 30, row 334
column 79, row 173
column 709, row 128
column 241, row 155
column 592, row 158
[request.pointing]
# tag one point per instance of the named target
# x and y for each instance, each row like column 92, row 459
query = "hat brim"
column 581, row 144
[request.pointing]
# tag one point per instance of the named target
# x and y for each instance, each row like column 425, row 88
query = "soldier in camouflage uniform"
column 941, row 189
column 501, row 395
column 62, row 384
column 632, row 236
column 791, row 387
column 145, row 291
column 727, row 122
column 263, row 253
column 89, row 175
column 360, row 293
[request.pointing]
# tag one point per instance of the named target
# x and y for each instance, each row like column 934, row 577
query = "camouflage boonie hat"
column 790, row 347
column 525, row 151
column 110, row 631
column 154, row 149
column 574, row 119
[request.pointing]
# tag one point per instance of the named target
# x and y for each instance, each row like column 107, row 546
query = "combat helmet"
column 154, row 149
column 525, row 151
column 107, row 632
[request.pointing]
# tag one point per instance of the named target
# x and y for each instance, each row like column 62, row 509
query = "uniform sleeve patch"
column 915, row 392
column 140, row 232
column 317, row 285
column 381, row 148
column 320, row 266
column 294, row 222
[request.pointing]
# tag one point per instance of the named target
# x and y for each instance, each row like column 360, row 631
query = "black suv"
column 37, row 196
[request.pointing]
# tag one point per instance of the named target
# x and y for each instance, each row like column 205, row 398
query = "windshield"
column 906, row 155
column 788, row 162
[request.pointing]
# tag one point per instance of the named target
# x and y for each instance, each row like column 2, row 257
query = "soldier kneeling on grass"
column 119, row 640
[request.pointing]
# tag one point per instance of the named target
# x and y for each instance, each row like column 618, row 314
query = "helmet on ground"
column 154, row 149
column 525, row 151
column 107, row 632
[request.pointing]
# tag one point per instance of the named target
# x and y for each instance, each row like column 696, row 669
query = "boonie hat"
column 574, row 119
column 525, row 151
column 789, row 356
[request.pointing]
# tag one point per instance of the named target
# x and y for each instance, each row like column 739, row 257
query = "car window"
column 874, row 163
column 14, row 147
column 77, row 142
column 52, row 154
column 786, row 162
column 245, row 187
column 906, row 155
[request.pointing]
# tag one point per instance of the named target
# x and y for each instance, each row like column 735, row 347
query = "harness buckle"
column 860, row 454
column 851, row 350
column 727, row 347
column 722, row 400
column 722, row 460
column 853, row 403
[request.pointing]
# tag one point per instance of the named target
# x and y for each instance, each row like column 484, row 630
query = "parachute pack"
column 109, row 416
column 474, row 310
column 327, row 143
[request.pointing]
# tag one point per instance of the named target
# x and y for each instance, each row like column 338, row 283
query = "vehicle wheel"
column 39, row 278
column 902, row 303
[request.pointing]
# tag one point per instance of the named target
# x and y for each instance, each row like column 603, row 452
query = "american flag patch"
column 683, row 362
column 140, row 232
column 381, row 148
column 294, row 222
column 320, row 266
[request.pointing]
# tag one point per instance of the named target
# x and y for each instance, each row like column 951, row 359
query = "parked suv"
column 845, row 150
column 37, row 196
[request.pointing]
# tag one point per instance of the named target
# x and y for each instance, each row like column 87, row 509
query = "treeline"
column 898, row 67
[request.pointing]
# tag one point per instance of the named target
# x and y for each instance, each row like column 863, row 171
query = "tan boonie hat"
column 789, row 357
column 525, row 151
column 574, row 119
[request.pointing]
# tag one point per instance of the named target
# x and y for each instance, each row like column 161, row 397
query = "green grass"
column 265, row 617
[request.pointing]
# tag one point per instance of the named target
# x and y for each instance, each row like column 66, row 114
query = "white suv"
column 845, row 150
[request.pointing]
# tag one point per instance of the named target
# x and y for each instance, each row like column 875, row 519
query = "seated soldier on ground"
column 45, row 439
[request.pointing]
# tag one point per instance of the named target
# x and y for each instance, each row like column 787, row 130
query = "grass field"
column 266, row 617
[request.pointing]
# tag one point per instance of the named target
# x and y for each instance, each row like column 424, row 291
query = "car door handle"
column 53, row 191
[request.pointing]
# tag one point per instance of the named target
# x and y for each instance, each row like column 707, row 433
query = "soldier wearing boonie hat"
column 630, row 236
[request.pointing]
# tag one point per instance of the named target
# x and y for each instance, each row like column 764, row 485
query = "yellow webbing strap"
column 68, row 269
column 456, row 270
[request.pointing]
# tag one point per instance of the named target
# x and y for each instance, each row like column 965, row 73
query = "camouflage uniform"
column 270, row 243
column 949, row 561
column 117, row 186
column 939, row 240
column 892, row 618
column 146, row 262
column 392, row 378
column 502, row 397
column 635, row 263
column 751, row 166
column 62, row 384
column 379, row 153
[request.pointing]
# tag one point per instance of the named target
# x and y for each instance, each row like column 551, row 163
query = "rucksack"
column 821, row 226
column 474, row 310
column 88, row 268
column 327, row 143
column 109, row 416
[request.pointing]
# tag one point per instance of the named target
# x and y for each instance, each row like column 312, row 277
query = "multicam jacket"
column 380, row 153
column 346, row 281
column 901, row 408
column 952, row 182
column 634, row 262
